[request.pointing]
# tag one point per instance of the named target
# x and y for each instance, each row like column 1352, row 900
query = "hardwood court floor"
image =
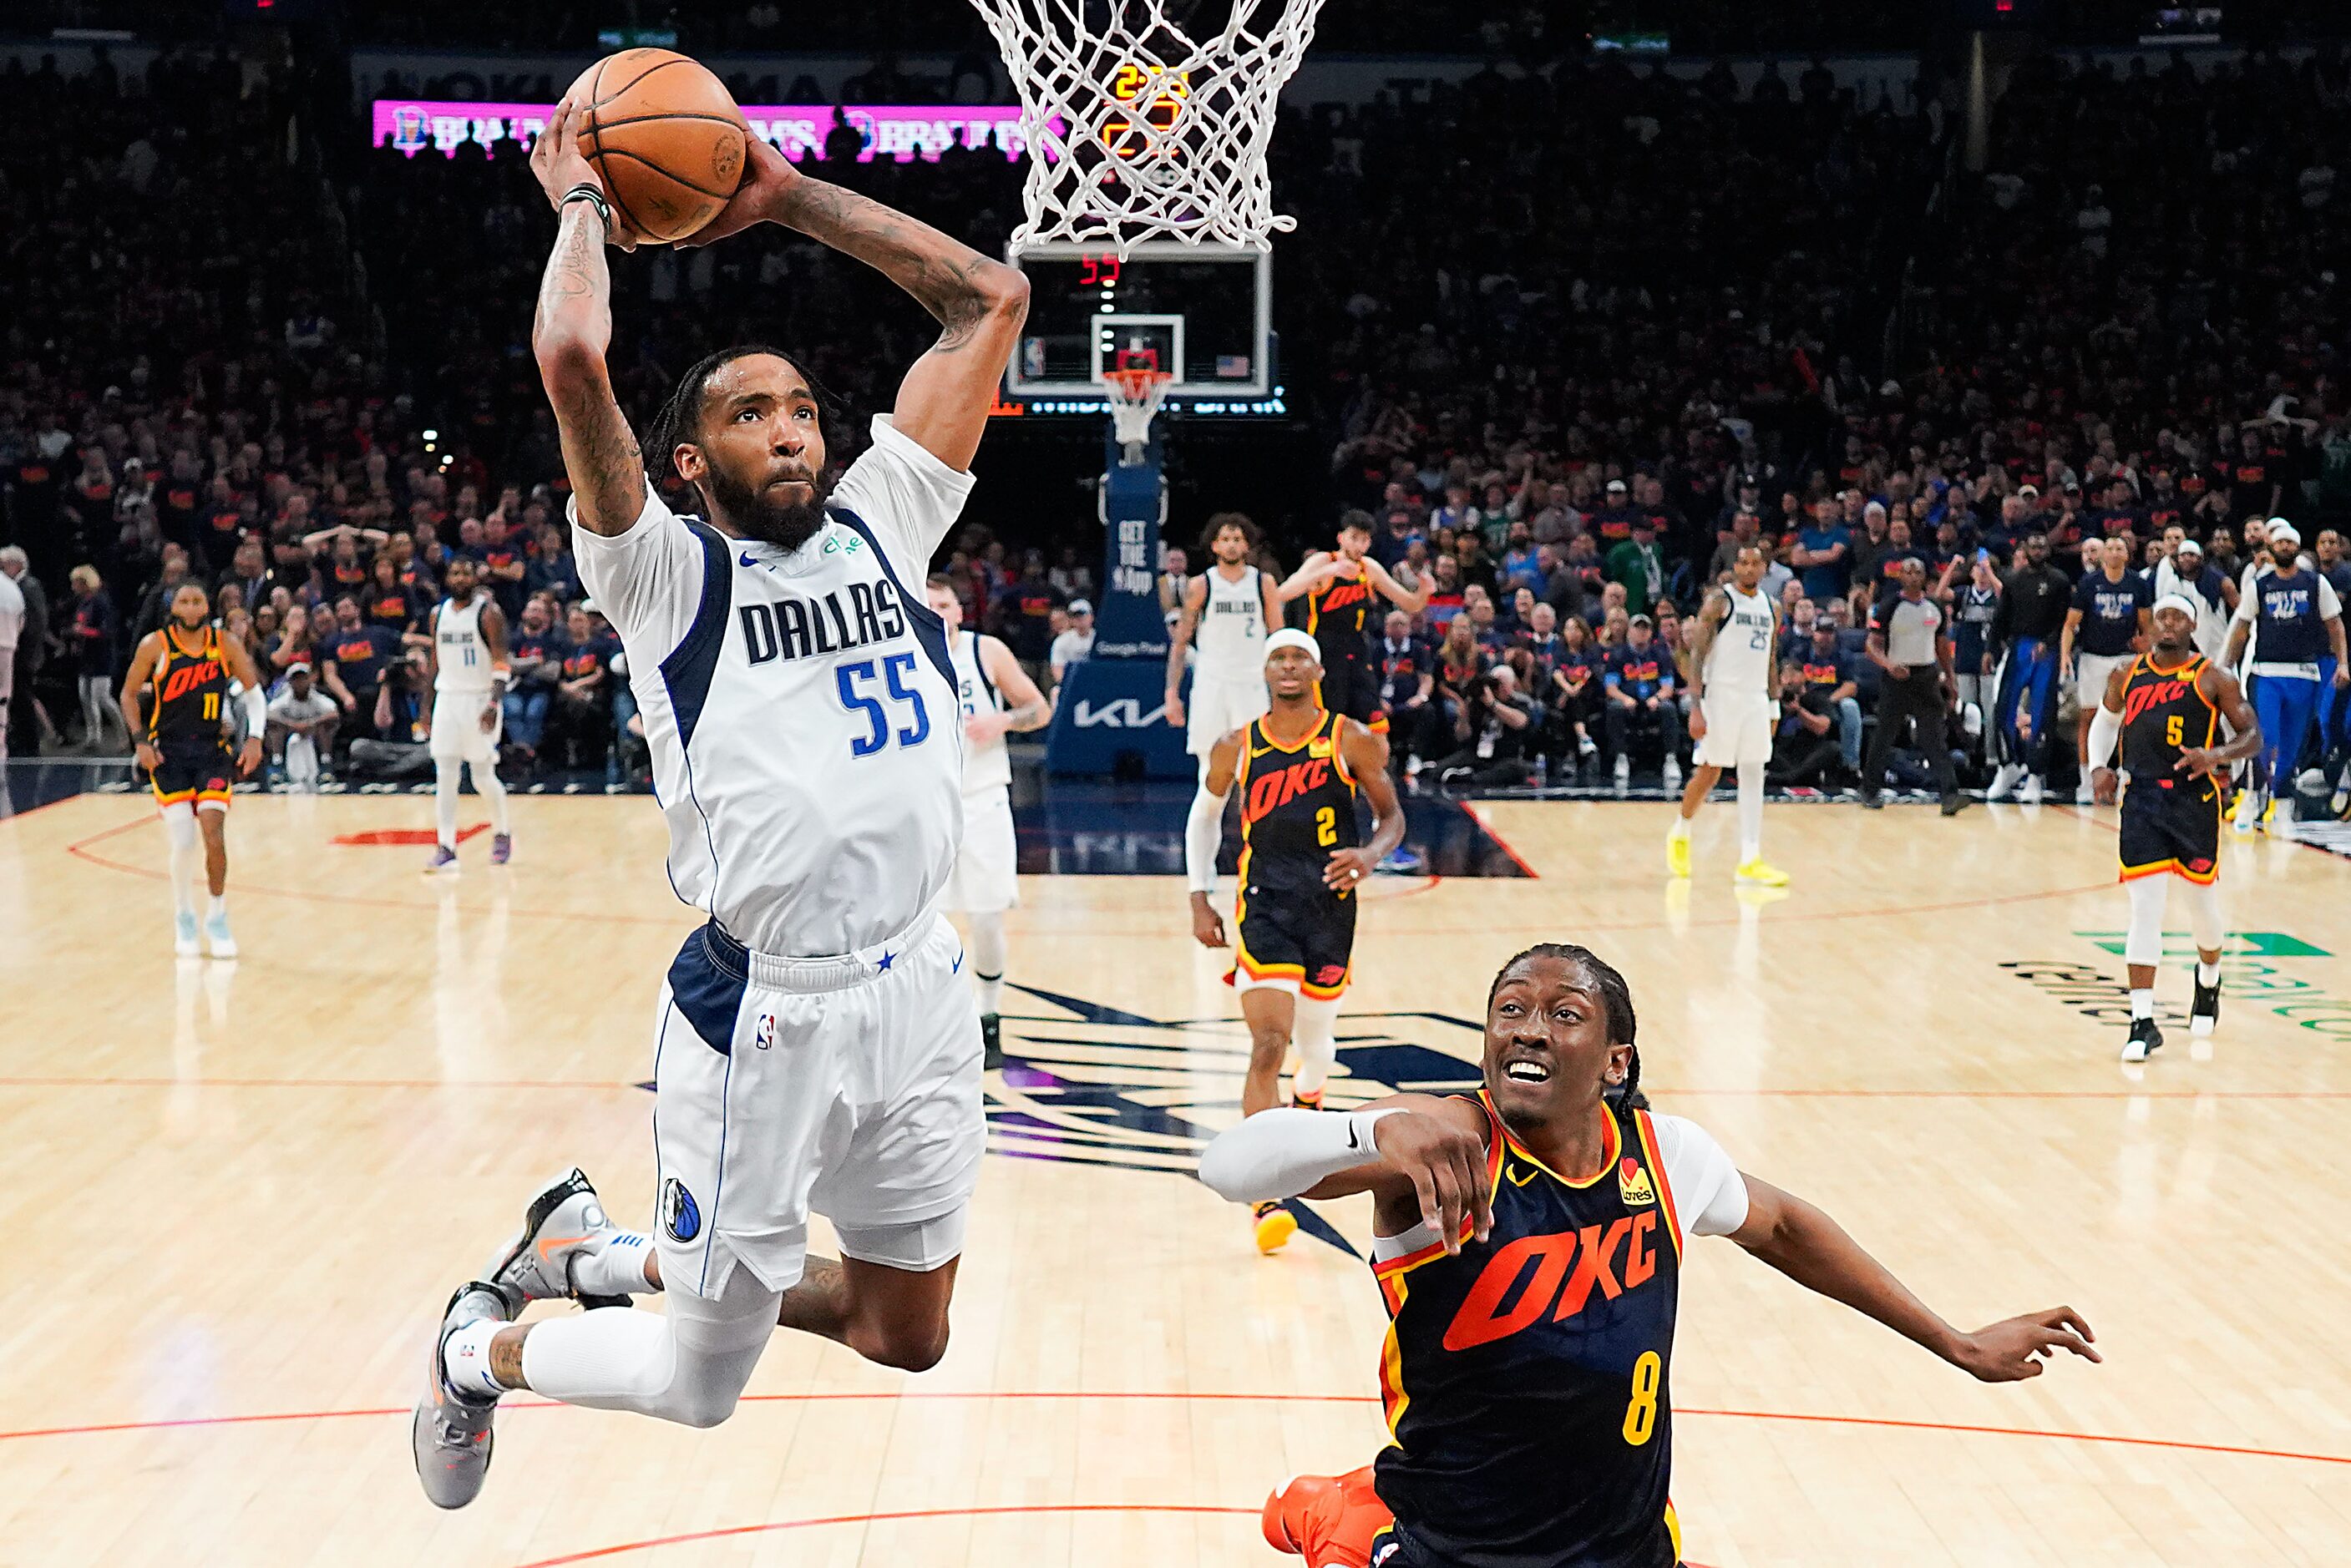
column 235, row 1196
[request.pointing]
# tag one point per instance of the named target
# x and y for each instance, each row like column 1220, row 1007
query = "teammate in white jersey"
column 1734, row 670
column 469, row 688
column 1228, row 610
column 816, row 1049
column 997, row 697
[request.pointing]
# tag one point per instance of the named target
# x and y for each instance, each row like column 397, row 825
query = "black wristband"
column 593, row 197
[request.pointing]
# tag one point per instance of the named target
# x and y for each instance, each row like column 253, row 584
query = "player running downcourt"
column 996, row 698
column 816, row 1048
column 1228, row 612
column 185, row 752
column 2166, row 707
column 1735, row 669
column 1529, row 1243
column 1302, row 867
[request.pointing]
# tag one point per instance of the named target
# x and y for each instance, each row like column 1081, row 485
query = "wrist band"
column 593, row 197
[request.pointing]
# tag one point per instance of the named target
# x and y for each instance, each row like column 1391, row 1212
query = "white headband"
column 2282, row 529
column 1291, row 637
column 2179, row 602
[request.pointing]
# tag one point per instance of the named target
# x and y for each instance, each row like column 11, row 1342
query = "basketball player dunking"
column 1735, row 674
column 2166, row 707
column 1299, row 767
column 1229, row 609
column 997, row 697
column 1529, row 1243
column 1338, row 589
column 186, row 755
column 815, row 1047
column 469, row 688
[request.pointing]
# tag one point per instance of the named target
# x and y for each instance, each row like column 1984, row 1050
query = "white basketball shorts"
column 2092, row 670
column 985, row 877
column 1218, row 707
column 1738, row 730
column 457, row 732
column 847, row 1086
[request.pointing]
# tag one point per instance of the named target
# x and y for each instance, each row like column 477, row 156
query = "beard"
column 784, row 525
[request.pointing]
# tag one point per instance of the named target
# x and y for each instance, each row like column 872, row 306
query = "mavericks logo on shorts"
column 681, row 1217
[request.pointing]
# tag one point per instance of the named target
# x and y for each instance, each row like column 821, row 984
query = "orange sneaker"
column 1275, row 1226
column 1332, row 1521
column 1284, row 1520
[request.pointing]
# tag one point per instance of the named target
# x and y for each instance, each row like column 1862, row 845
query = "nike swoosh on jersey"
column 746, row 559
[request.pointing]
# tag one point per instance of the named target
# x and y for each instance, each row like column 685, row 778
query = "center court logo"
column 2255, row 973
column 1087, row 1084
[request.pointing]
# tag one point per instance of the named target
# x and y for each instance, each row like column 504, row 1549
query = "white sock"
column 2142, row 1003
column 1312, row 1032
column 615, row 1268
column 180, row 827
column 465, row 1358
column 987, row 957
column 1680, row 830
column 485, row 780
column 2207, row 973
column 217, row 907
column 1751, row 815
column 444, row 803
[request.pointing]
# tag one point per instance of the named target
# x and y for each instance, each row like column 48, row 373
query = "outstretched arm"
column 1412, row 601
column 570, row 335
column 944, row 402
column 1313, row 571
column 1812, row 1250
column 1422, row 1158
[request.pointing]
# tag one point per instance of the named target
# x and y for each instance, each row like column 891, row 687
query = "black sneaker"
column 2204, row 1012
column 1954, row 803
column 991, row 1041
column 2144, row 1040
column 1872, row 800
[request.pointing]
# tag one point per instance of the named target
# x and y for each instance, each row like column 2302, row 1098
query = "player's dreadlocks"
column 1615, row 995
column 681, row 415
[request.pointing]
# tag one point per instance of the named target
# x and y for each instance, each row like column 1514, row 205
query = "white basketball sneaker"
column 2004, row 782
column 449, row 1432
column 564, row 1222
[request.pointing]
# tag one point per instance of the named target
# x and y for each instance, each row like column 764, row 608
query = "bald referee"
column 1910, row 640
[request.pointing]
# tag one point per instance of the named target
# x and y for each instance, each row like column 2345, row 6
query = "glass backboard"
column 1204, row 315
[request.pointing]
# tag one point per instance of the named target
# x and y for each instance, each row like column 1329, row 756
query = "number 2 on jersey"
column 850, row 677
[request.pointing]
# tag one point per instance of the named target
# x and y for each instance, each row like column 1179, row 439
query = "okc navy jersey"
column 1526, row 1378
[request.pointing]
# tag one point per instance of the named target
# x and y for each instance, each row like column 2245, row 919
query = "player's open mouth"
column 1524, row 1072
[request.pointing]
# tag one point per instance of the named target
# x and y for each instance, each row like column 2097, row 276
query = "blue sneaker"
column 444, row 862
column 184, row 935
column 216, row 935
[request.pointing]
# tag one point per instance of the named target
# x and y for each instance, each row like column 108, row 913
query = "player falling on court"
column 2165, row 707
column 1338, row 586
column 996, row 698
column 815, row 1047
column 1228, row 610
column 184, row 749
column 1528, row 1240
column 469, row 690
column 1302, row 865
column 1735, row 671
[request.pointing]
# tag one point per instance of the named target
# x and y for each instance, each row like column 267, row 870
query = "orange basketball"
column 665, row 135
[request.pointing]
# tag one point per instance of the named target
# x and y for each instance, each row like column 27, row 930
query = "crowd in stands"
column 1626, row 341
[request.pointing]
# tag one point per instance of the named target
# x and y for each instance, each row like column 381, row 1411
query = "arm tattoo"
column 946, row 277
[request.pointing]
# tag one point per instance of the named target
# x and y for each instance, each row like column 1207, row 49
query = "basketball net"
column 1137, row 130
column 1134, row 393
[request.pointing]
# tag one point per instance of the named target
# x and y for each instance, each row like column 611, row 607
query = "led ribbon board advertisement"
column 896, row 132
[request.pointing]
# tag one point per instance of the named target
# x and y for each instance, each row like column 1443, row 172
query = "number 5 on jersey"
column 851, row 678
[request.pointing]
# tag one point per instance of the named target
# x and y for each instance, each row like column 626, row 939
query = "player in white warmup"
column 816, row 1049
column 1735, row 663
column 997, row 697
column 469, row 688
column 1228, row 612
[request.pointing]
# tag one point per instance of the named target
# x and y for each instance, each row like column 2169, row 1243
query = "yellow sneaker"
column 1275, row 1226
column 1677, row 855
column 1761, row 872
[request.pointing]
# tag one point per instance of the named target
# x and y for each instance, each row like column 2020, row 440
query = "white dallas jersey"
column 800, row 707
column 1740, row 659
column 987, row 766
column 1230, row 635
column 461, row 653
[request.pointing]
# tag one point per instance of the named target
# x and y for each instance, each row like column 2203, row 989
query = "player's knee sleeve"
column 987, row 948
column 1313, row 1032
column 2143, row 944
column 918, row 1246
column 180, row 825
column 2204, row 916
column 689, row 1366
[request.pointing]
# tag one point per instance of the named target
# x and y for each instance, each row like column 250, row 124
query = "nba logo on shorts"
column 764, row 1038
column 681, row 1217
